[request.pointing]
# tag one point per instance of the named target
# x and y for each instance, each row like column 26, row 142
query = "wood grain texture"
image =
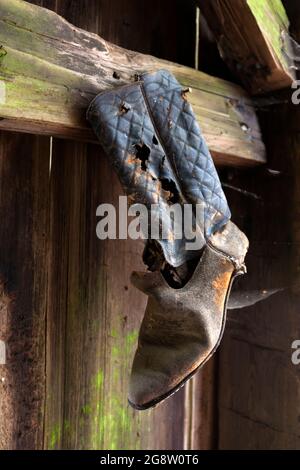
column 93, row 318
column 59, row 281
column 78, row 64
column 201, row 420
column 24, row 195
column 93, row 313
column 258, row 383
column 253, row 39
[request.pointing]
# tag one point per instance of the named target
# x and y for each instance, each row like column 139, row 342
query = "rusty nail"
column 184, row 92
column 124, row 109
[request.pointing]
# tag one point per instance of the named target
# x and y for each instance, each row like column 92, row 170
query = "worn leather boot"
column 153, row 140
column 154, row 143
column 183, row 327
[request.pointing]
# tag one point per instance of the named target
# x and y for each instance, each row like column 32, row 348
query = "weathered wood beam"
column 51, row 70
column 252, row 37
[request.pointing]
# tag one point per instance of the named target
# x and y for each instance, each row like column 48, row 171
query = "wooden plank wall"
column 258, row 387
column 24, row 203
column 68, row 314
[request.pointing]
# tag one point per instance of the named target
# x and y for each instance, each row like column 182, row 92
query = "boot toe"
column 158, row 372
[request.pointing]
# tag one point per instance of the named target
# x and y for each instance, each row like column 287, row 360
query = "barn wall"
column 24, row 203
column 71, row 317
column 258, row 388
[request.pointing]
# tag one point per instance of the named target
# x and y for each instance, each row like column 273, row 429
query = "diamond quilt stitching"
column 131, row 116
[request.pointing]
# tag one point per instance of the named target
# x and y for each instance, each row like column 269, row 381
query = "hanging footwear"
column 153, row 141
column 152, row 138
column 183, row 327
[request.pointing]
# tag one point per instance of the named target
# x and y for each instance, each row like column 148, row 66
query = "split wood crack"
column 52, row 70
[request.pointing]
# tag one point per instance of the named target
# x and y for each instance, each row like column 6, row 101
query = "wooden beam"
column 252, row 37
column 51, row 70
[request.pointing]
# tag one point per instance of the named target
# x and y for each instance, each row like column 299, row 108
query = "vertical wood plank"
column 200, row 409
column 24, row 182
column 200, row 412
column 258, row 383
column 93, row 313
column 93, row 318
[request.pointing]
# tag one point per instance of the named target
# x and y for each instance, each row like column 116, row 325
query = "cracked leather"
column 183, row 327
column 151, row 135
column 154, row 142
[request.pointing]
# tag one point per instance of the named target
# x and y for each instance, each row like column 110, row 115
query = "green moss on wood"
column 55, row 437
column 272, row 20
column 3, row 52
column 108, row 416
column 98, row 379
column 60, row 83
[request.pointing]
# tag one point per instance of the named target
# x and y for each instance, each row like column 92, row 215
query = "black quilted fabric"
column 150, row 133
column 185, row 146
